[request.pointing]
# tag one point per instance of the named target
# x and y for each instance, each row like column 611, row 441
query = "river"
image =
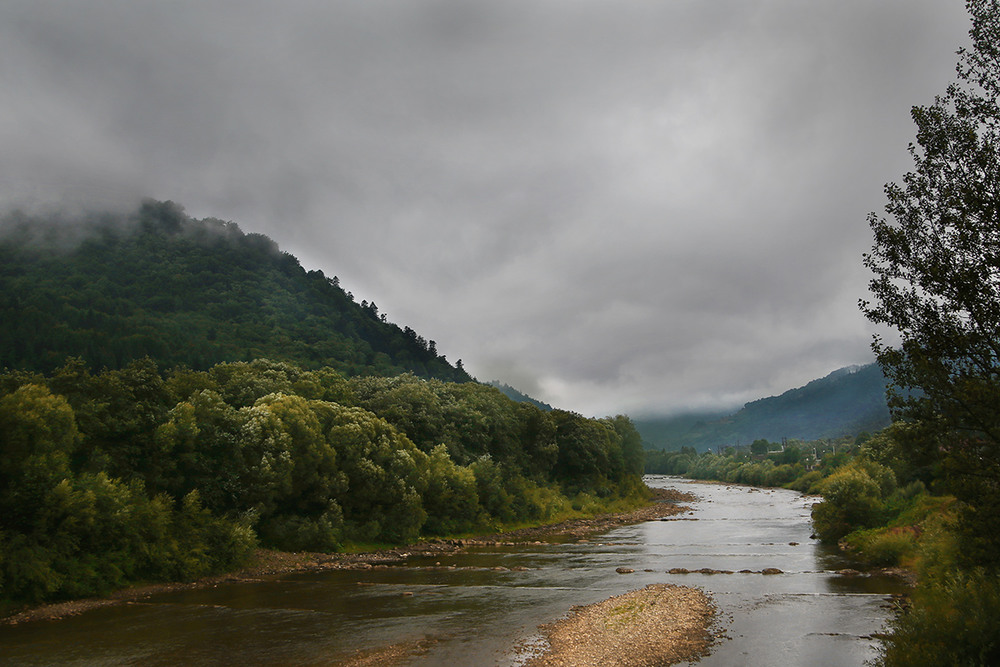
column 483, row 606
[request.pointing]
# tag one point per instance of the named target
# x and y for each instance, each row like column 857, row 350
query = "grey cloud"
column 621, row 205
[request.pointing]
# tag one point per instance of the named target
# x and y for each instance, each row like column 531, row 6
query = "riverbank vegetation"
column 865, row 484
column 141, row 474
column 886, row 509
column 794, row 464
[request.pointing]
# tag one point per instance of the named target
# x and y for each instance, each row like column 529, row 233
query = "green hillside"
column 845, row 402
column 111, row 289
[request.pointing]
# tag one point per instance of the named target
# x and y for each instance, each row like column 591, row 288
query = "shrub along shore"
column 270, row 563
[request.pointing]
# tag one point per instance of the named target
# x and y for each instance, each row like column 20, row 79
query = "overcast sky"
column 631, row 206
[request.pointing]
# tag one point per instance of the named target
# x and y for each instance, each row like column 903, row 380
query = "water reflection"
column 477, row 605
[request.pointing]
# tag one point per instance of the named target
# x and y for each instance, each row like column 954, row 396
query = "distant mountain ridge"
column 112, row 288
column 845, row 402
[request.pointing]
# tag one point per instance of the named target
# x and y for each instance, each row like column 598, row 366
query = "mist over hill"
column 113, row 288
column 845, row 402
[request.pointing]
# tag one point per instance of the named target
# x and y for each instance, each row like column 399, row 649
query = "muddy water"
column 478, row 607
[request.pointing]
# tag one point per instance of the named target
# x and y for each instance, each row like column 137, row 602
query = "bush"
column 451, row 499
column 938, row 551
column 853, row 499
column 546, row 503
column 782, row 474
column 884, row 547
column 808, row 483
column 299, row 533
column 951, row 623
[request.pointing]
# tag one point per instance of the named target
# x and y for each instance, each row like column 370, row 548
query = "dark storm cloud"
column 620, row 205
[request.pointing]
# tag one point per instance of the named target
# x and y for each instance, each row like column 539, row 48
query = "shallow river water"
column 483, row 607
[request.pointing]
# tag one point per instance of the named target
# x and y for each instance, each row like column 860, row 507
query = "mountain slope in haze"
column 675, row 431
column 114, row 288
column 517, row 396
column 845, row 402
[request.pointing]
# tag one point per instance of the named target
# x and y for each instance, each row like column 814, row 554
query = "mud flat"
column 661, row 624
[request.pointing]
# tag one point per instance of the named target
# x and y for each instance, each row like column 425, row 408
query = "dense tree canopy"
column 113, row 289
column 135, row 473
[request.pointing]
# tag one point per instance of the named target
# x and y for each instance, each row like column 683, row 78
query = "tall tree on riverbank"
column 936, row 260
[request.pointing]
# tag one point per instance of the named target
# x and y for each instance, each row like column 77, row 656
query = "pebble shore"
column 661, row 624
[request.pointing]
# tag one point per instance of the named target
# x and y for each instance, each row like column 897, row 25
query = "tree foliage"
column 952, row 622
column 854, row 497
column 936, row 265
column 111, row 289
column 937, row 259
column 136, row 474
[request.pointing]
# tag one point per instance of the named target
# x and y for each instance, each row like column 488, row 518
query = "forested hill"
column 111, row 289
column 174, row 395
column 845, row 402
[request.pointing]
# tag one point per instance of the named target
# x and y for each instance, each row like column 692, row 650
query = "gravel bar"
column 661, row 624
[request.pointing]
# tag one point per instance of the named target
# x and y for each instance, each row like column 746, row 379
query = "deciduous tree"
column 936, row 265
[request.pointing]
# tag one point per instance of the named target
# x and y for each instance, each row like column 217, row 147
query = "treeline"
column 111, row 289
column 138, row 474
column 794, row 464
